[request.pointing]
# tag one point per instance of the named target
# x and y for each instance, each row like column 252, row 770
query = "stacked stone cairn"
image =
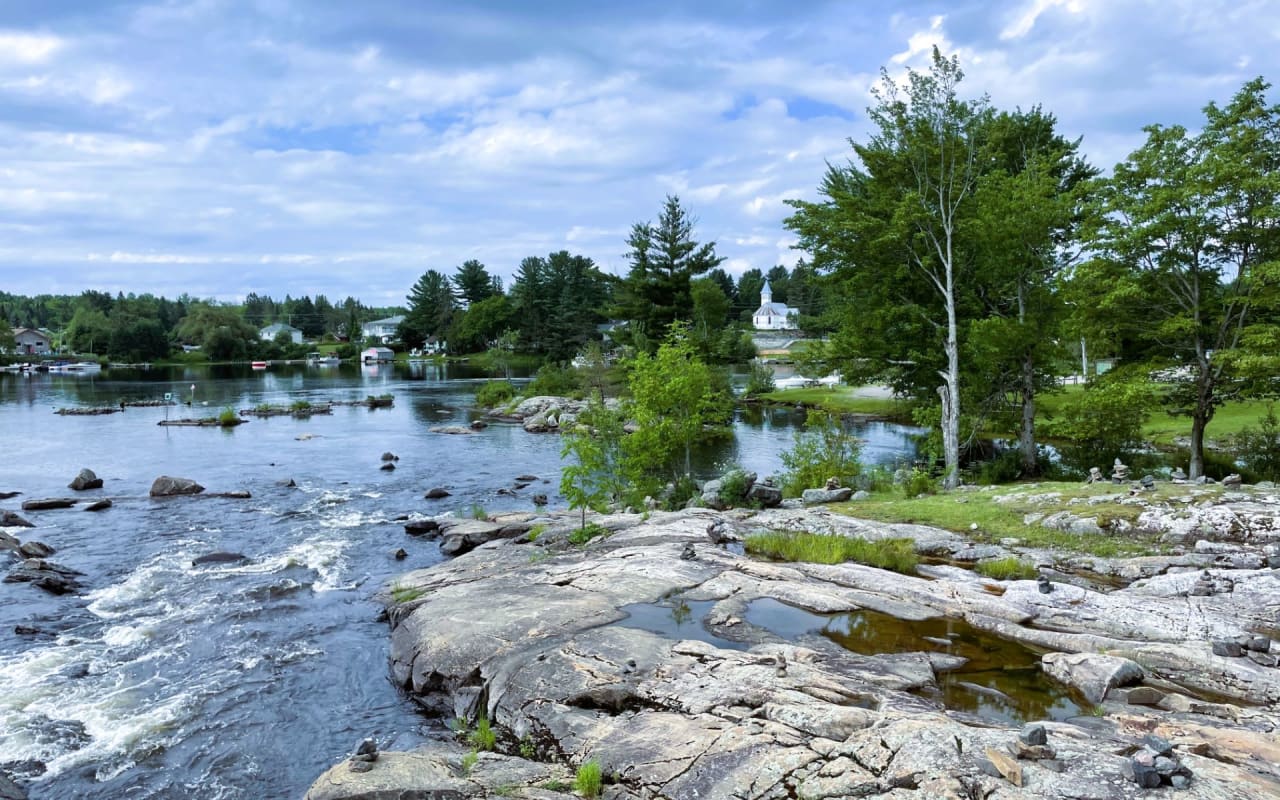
column 1155, row 765
column 1032, row 744
column 1177, row 475
column 366, row 753
column 1095, row 475
column 1119, row 472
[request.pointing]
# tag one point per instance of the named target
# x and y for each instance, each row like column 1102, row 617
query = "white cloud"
column 28, row 48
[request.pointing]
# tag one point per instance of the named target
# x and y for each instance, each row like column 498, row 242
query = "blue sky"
column 217, row 147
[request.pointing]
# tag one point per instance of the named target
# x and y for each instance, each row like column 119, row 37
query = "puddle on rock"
column 1001, row 681
column 676, row 619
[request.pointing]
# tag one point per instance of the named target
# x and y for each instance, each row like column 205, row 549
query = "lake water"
column 246, row 680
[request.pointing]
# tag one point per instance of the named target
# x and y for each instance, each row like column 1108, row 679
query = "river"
column 165, row 680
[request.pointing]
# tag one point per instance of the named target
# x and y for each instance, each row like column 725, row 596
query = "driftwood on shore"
column 88, row 411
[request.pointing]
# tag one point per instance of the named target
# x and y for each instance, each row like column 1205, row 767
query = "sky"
column 222, row 147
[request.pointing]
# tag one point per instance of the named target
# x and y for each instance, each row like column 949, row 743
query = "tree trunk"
column 1027, row 437
column 950, row 391
column 1198, row 423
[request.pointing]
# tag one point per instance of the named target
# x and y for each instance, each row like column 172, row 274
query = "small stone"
column 359, row 766
column 1232, row 481
column 98, row 505
column 25, row 630
column 389, row 457
column 1044, row 585
column 1178, row 474
column 540, row 500
column 400, row 554
column 1158, row 745
column 1263, row 659
column 366, row 747
column 1009, row 769
column 688, row 554
column 1228, row 649
column 1180, row 781
column 1258, row 644
column 1148, row 482
column 1166, row 766
column 1142, row 774
column 388, row 466
column 1033, row 734
column 436, row 493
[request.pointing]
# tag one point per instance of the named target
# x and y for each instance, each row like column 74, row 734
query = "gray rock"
column 1157, row 744
column 1144, row 696
column 388, row 466
column 33, row 549
column 389, row 456
column 400, row 554
column 765, row 494
column 1093, row 674
column 436, row 493
column 209, row 559
column 1033, row 735
column 421, row 527
column 813, row 497
column 85, row 480
column 9, row 519
column 48, row 503
column 861, row 494
column 51, row 577
column 1232, row 481
column 99, row 505
column 166, row 486
column 1258, row 644
column 10, row 790
column 1228, row 649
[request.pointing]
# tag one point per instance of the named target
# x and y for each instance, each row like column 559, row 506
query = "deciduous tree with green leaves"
column 592, row 478
column 1188, row 233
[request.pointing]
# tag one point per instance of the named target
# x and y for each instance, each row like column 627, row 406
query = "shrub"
column 823, row 449
column 588, row 532
column 733, row 486
column 494, row 393
column 478, row 512
column 898, row 555
column 1258, row 449
column 300, row 405
column 1006, row 569
column 528, row 750
column 1104, row 421
column 483, row 737
column 228, row 417
column 558, row 380
column 759, row 380
column 588, row 781
column 469, row 762
column 919, row 482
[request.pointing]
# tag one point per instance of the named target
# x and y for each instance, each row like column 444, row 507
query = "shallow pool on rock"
column 1001, row 681
column 677, row 619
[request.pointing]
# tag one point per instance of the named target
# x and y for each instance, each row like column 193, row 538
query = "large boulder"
column 85, row 480
column 166, row 486
column 51, row 577
column 1092, row 674
column 765, row 494
column 435, row 772
column 813, row 497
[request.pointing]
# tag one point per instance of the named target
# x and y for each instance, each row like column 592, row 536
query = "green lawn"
column 840, row 400
column 1161, row 428
column 962, row 510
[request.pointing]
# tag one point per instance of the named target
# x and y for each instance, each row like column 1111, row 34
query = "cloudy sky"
column 219, row 147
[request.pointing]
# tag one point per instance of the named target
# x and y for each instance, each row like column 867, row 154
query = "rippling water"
column 163, row 679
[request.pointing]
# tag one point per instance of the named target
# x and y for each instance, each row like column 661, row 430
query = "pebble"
column 1033, row 734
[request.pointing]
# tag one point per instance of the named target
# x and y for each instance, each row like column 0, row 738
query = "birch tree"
column 891, row 231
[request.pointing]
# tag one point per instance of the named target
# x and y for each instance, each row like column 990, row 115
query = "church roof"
column 775, row 309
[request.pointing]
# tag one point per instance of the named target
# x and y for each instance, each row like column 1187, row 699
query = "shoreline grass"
column 897, row 555
column 839, row 400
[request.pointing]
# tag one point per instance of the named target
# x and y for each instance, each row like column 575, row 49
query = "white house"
column 771, row 316
column 270, row 332
column 376, row 354
column 382, row 330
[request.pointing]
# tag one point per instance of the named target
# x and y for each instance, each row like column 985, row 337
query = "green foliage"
column 588, row 532
column 558, row 380
column 1104, row 421
column 469, row 762
column 300, row 405
column 759, row 380
column 556, row 786
column 674, row 395
column 494, row 393
column 559, row 300
column 823, row 449
column 483, row 737
column 528, row 750
column 431, row 309
column 1258, row 449
column 228, row 417
column 897, row 555
column 535, row 532
column 593, row 476
column 733, row 486
column 919, row 481
column 405, row 594
column 588, row 781
column 478, row 512
column 664, row 259
column 1009, row 568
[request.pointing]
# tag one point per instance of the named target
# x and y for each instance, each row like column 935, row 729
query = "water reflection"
column 1001, row 680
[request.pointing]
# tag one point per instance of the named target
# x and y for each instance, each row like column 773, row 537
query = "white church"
column 771, row 316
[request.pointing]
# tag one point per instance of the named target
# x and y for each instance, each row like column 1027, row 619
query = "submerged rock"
column 47, row 503
column 99, row 505
column 219, row 558
column 9, row 519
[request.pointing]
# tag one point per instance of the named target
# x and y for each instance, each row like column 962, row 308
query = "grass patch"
column 469, row 762
column 962, row 510
column 1010, row 568
column 478, row 512
column 483, row 737
column 554, row 785
column 840, row 400
column 589, row 780
column 586, row 533
column 405, row 594
column 536, row 531
column 228, row 418
column 898, row 555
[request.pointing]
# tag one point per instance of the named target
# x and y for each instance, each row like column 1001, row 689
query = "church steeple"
column 766, row 294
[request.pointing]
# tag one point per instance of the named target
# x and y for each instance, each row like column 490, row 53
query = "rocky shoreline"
column 1171, row 679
